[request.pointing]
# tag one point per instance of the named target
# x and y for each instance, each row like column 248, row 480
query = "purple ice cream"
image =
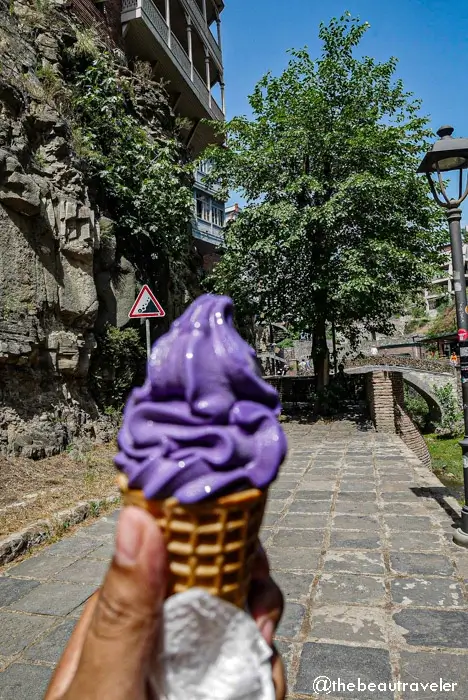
column 204, row 423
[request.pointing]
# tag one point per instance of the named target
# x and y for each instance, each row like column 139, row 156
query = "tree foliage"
column 135, row 166
column 417, row 408
column 338, row 225
column 127, row 140
column 116, row 368
column 451, row 423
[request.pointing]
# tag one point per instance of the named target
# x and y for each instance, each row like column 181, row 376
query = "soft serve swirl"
column 204, row 422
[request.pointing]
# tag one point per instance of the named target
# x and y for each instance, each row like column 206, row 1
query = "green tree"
column 337, row 225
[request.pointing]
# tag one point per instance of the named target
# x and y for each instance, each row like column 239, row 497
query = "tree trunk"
column 320, row 354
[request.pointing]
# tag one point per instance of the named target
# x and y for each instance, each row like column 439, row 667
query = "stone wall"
column 43, row 412
column 61, row 277
column 385, row 396
column 426, row 365
column 50, row 247
column 411, row 436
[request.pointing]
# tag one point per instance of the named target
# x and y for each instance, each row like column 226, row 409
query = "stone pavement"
column 362, row 549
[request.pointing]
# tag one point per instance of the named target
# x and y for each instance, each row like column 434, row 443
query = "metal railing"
column 182, row 58
column 203, row 29
column 207, row 231
column 128, row 5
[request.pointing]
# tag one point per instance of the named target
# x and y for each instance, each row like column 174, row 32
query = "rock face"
column 50, row 248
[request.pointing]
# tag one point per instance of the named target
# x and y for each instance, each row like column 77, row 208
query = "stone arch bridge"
column 422, row 381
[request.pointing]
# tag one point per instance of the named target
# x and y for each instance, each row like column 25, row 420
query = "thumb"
column 125, row 627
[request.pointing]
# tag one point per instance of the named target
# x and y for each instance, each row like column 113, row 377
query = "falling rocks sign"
column 146, row 305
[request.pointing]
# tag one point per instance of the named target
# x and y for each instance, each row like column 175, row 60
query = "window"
column 205, row 167
column 203, row 207
column 218, row 215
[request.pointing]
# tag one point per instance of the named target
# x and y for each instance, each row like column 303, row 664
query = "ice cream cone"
column 210, row 544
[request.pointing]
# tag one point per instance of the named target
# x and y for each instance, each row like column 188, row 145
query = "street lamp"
column 451, row 155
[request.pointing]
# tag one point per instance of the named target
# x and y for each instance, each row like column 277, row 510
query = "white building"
column 209, row 217
column 442, row 289
column 232, row 212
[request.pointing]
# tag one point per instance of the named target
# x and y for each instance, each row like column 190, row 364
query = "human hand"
column 111, row 652
column 266, row 605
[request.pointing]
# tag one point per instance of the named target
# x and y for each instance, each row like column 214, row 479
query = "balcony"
column 201, row 26
column 208, row 233
column 175, row 38
column 201, row 174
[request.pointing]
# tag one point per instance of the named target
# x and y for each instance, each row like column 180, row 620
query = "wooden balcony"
column 150, row 37
column 200, row 24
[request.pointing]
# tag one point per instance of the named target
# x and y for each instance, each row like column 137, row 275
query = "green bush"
column 415, row 324
column 452, row 417
column 417, row 409
column 286, row 343
column 133, row 159
column 445, row 321
column 118, row 362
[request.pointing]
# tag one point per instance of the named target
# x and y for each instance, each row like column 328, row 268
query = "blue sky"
column 429, row 37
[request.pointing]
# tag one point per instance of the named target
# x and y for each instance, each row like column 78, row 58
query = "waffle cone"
column 211, row 544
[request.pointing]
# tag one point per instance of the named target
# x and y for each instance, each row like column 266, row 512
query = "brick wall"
column 385, row 396
column 398, row 388
column 369, row 386
column 411, row 436
column 379, row 389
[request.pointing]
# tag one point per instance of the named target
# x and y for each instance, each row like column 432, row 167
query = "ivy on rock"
column 126, row 137
column 117, row 367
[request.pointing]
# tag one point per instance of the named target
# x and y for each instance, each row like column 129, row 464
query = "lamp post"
column 450, row 154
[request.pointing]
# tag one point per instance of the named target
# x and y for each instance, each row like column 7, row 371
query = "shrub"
column 117, row 363
column 415, row 324
column 445, row 321
column 417, row 409
column 87, row 44
column 452, row 417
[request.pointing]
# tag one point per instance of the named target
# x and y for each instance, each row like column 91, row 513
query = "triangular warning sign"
column 146, row 305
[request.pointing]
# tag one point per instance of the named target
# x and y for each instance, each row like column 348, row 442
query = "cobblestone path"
column 358, row 541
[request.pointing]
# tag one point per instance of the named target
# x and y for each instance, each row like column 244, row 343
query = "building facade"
column 442, row 289
column 182, row 41
column 209, row 217
column 232, row 212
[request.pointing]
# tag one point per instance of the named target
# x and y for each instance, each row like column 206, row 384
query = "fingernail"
column 129, row 538
column 268, row 629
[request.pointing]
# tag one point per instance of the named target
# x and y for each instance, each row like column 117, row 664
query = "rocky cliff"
column 57, row 251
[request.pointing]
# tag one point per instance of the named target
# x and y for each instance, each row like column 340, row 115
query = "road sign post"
column 145, row 307
column 148, row 338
